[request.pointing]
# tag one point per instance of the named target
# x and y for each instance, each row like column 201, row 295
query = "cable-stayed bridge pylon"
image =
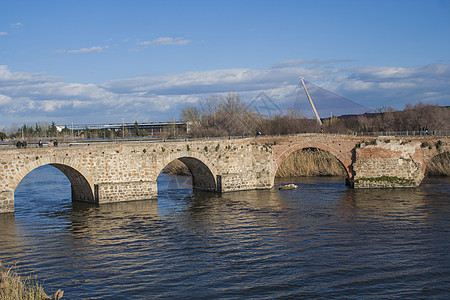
column 326, row 103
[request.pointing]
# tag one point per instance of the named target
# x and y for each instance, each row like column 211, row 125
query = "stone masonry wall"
column 387, row 162
column 104, row 173
column 392, row 172
column 126, row 191
column 6, row 201
column 112, row 172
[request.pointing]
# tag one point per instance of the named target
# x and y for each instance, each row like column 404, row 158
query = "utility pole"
column 311, row 102
column 123, row 128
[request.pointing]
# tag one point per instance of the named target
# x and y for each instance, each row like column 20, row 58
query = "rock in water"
column 290, row 186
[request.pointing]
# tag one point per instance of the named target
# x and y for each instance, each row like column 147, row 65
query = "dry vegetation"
column 305, row 162
column 230, row 116
column 310, row 162
column 439, row 165
column 15, row 287
column 176, row 167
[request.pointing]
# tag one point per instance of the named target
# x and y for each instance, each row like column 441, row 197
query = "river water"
column 322, row 240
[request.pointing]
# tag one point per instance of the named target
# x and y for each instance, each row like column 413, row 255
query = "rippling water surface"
column 322, row 240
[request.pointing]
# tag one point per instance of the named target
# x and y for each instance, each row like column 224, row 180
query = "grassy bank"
column 310, row 162
column 15, row 287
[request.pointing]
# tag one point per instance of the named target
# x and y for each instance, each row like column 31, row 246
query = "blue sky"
column 101, row 61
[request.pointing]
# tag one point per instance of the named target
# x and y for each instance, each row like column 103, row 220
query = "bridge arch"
column 203, row 172
column 81, row 182
column 345, row 161
column 438, row 164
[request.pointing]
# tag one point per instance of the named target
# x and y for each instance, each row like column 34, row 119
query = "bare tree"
column 229, row 116
column 221, row 116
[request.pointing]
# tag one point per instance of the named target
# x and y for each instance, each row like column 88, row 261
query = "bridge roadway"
column 113, row 172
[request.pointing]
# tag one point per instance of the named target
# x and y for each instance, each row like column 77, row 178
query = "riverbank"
column 13, row 286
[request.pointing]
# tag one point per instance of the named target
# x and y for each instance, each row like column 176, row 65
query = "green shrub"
column 391, row 179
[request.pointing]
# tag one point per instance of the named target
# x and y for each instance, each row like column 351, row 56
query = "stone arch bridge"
column 113, row 172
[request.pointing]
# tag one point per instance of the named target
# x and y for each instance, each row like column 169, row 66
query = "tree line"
column 38, row 130
column 230, row 116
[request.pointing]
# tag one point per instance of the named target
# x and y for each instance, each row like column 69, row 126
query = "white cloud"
column 299, row 62
column 3, row 33
column 88, row 50
column 217, row 81
column 16, row 25
column 51, row 105
column 29, row 97
column 4, row 99
column 164, row 41
column 11, row 79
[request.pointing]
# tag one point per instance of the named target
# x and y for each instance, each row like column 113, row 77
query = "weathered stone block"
column 6, row 201
column 107, row 192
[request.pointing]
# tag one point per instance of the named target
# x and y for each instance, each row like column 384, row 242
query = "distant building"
column 152, row 128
